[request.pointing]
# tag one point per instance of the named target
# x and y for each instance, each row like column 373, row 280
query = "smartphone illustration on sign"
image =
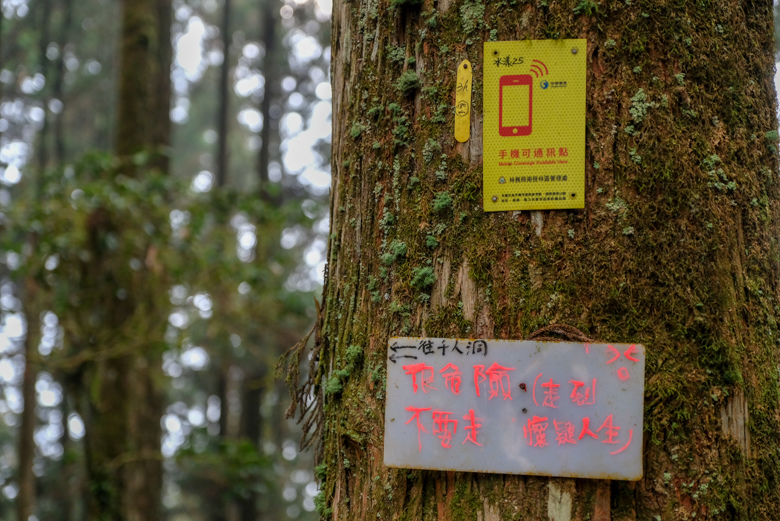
column 515, row 105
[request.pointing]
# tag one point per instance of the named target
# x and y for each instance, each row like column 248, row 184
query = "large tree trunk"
column 667, row 252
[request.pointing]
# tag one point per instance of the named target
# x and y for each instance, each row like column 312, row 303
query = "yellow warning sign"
column 534, row 125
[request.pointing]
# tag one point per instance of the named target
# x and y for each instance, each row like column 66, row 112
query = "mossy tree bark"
column 676, row 248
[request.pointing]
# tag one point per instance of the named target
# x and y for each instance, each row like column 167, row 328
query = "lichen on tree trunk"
column 676, row 248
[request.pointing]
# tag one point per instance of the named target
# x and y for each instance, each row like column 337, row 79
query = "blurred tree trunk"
column 270, row 77
column 251, row 427
column 120, row 397
column 224, row 98
column 68, row 497
column 42, row 145
column 25, row 501
column 676, row 248
column 58, row 89
column 221, row 511
column 2, row 22
column 161, row 131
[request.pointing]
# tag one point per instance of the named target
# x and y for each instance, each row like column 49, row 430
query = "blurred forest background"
column 148, row 287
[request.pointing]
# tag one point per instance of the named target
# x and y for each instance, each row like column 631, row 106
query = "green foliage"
column 587, row 7
column 441, row 172
column 239, row 462
column 401, row 131
column 387, row 259
column 717, row 176
column 373, row 287
column 106, row 242
column 388, row 220
column 354, row 354
column 321, row 505
column 472, row 16
column 710, row 162
column 442, row 201
column 356, row 130
column 321, row 471
column 407, row 83
column 640, row 105
column 772, row 137
column 423, row 278
column 395, row 54
column 397, row 249
column 431, row 148
column 441, row 114
column 617, row 206
column 334, row 384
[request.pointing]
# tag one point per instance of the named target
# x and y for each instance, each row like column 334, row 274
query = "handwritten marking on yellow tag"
column 463, row 102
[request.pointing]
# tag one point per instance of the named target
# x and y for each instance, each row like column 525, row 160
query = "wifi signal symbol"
column 538, row 70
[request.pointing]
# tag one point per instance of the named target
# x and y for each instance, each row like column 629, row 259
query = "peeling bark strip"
column 559, row 499
column 676, row 248
column 735, row 420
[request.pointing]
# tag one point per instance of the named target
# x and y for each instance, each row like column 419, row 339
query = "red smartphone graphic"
column 515, row 106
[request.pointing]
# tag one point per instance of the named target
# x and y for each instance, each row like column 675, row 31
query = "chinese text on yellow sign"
column 534, row 125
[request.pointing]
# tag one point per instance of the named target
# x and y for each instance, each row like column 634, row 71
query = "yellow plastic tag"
column 534, row 125
column 463, row 102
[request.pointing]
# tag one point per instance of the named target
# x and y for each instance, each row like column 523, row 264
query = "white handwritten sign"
column 543, row 408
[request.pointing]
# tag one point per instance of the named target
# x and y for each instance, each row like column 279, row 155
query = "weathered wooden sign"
column 543, row 408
